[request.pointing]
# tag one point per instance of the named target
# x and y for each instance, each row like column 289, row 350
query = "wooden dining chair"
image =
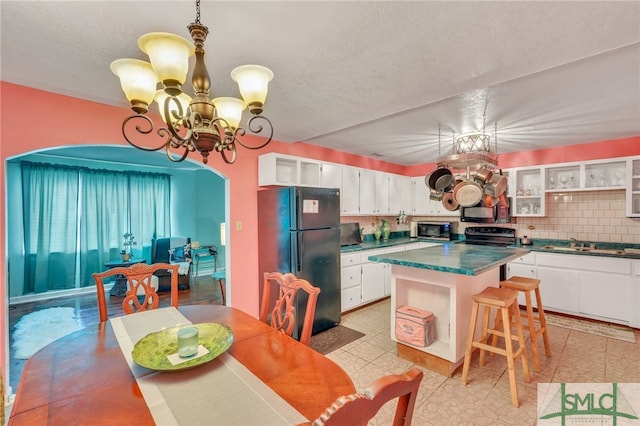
column 283, row 313
column 141, row 294
column 358, row 408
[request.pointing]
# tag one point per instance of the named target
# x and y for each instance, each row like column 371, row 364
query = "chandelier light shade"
column 253, row 81
column 230, row 109
column 192, row 123
column 138, row 81
column 169, row 56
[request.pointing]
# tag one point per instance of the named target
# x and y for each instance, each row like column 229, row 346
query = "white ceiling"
column 370, row 78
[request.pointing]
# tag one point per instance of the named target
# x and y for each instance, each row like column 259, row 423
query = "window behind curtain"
column 75, row 218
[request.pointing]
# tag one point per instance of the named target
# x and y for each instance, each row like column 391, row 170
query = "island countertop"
column 457, row 258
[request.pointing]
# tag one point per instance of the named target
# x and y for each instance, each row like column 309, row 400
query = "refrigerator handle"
column 295, row 252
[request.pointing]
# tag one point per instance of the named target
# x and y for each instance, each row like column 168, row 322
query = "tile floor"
column 576, row 358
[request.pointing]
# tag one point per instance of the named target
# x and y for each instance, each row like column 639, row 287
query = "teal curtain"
column 104, row 219
column 75, row 219
column 149, row 203
column 50, row 200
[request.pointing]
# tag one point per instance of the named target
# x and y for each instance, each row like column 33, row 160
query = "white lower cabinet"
column 364, row 281
column 606, row 295
column 350, row 280
column 524, row 266
column 595, row 287
column 373, row 281
column 559, row 289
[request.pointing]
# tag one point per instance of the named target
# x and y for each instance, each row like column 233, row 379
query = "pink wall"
column 63, row 121
column 34, row 120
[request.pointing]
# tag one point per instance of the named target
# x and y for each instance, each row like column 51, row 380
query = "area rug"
column 37, row 329
column 333, row 338
column 612, row 331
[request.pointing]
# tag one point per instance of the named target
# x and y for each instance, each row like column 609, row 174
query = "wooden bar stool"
column 505, row 302
column 537, row 324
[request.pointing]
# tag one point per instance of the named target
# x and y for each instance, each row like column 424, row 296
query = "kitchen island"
column 441, row 279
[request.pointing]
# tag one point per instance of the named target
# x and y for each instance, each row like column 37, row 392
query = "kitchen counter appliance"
column 299, row 232
column 434, row 230
column 495, row 236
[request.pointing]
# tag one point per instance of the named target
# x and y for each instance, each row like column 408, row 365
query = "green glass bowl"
column 151, row 351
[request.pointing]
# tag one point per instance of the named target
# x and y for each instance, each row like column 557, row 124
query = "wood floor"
column 203, row 290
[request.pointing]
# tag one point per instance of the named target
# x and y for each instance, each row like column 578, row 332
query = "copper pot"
column 490, row 200
column 449, row 202
column 467, row 193
column 496, row 186
column 483, row 175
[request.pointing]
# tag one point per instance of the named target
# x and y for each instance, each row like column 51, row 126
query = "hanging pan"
column 435, row 196
column 440, row 179
column 467, row 193
column 449, row 202
column 496, row 186
column 483, row 175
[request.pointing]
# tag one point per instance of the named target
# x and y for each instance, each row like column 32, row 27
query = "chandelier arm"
column 229, row 147
column 148, row 128
column 258, row 129
column 176, row 159
column 186, row 121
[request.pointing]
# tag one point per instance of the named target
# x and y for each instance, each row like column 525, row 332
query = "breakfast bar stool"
column 537, row 325
column 505, row 301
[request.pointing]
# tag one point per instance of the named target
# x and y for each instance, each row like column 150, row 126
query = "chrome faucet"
column 573, row 242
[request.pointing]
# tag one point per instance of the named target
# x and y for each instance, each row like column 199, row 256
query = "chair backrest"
column 358, row 408
column 283, row 313
column 141, row 294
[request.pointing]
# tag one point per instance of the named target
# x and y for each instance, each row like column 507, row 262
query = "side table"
column 119, row 289
column 203, row 251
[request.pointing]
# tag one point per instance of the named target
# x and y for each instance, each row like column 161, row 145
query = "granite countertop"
column 543, row 245
column 370, row 245
column 464, row 259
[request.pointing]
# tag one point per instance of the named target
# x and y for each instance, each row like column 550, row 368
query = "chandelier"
column 192, row 124
column 471, row 150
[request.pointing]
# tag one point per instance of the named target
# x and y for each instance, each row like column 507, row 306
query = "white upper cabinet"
column 529, row 191
column 400, row 194
column 331, row 177
column 420, row 195
column 367, row 191
column 592, row 175
column 381, row 189
column 633, row 187
column 286, row 170
column 350, row 196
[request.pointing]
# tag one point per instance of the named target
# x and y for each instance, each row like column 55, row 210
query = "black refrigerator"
column 299, row 232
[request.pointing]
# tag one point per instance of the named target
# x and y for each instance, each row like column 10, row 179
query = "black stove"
column 491, row 236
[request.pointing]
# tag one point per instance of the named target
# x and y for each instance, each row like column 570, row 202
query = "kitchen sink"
column 584, row 249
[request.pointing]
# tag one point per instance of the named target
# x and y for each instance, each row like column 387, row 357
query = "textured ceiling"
column 370, row 78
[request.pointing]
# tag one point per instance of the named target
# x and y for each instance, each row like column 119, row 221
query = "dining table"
column 87, row 377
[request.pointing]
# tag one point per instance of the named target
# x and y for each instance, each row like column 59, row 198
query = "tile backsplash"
column 586, row 216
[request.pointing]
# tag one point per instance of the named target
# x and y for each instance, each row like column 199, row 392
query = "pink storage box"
column 414, row 326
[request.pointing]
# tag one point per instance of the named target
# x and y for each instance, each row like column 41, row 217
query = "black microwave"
column 434, row 230
column 483, row 214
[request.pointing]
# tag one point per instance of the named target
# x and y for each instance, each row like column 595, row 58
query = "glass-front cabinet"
column 563, row 178
column 633, row 188
column 605, row 175
column 528, row 191
column 587, row 176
